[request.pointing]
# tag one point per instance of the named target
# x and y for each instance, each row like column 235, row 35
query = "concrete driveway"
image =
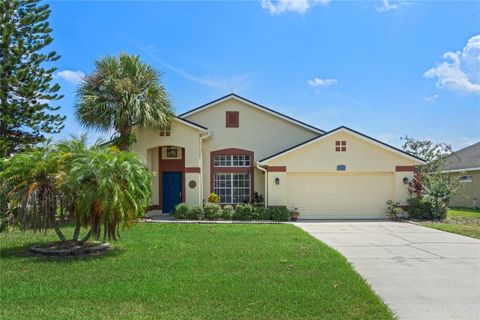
column 421, row 273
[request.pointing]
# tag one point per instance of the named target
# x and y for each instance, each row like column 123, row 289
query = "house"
column 235, row 147
column 465, row 164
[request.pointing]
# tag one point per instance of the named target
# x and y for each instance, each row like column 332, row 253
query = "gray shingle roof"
column 466, row 158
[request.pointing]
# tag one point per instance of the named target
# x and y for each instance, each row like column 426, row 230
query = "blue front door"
column 171, row 190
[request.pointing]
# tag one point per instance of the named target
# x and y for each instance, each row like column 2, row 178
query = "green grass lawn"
column 169, row 271
column 459, row 220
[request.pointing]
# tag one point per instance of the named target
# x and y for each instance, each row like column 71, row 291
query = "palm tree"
column 120, row 93
column 114, row 189
column 32, row 181
column 99, row 187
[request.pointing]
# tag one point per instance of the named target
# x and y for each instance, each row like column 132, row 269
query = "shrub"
column 393, row 209
column 263, row 213
column 212, row 211
column 245, row 212
column 181, row 211
column 196, row 213
column 227, row 212
column 420, row 208
column 280, row 213
column 213, row 198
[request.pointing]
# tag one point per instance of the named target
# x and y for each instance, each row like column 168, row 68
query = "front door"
column 171, row 190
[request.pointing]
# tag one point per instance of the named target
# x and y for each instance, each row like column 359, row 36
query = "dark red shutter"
column 232, row 119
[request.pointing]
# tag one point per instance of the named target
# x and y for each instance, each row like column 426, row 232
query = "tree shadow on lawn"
column 23, row 252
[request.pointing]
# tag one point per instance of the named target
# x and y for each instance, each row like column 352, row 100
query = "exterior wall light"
column 277, row 180
column 405, row 180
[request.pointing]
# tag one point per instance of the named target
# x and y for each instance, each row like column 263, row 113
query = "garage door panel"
column 339, row 196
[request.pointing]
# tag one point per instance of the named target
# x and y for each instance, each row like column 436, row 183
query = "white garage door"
column 339, row 196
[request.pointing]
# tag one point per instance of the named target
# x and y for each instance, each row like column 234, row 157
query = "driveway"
column 421, row 273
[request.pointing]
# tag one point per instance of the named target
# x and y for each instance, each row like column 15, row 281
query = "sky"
column 384, row 68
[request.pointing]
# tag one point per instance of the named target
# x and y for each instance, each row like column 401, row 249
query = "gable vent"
column 232, row 119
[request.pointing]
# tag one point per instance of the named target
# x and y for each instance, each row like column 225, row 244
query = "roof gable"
column 191, row 124
column 464, row 159
column 253, row 105
column 348, row 130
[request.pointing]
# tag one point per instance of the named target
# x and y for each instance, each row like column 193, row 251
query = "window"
column 341, row 167
column 171, row 153
column 466, row 179
column 231, row 161
column 232, row 119
column 232, row 187
column 164, row 133
column 340, row 146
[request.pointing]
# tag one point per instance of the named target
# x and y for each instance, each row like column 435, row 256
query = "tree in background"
column 25, row 82
column 431, row 189
column 123, row 92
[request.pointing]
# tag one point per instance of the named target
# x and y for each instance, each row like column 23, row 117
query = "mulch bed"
column 70, row 249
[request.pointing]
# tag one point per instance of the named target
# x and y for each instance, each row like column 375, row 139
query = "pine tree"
column 26, row 90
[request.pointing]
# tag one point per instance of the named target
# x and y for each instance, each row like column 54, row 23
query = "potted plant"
column 294, row 214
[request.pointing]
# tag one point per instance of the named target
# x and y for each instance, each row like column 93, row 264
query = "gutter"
column 266, row 182
column 200, row 159
column 461, row 170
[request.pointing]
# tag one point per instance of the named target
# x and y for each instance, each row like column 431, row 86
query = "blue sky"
column 387, row 69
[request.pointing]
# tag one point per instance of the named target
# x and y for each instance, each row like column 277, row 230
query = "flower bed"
column 242, row 212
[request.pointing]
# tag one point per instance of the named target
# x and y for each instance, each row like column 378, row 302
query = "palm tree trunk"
column 125, row 134
column 87, row 236
column 76, row 233
column 59, row 233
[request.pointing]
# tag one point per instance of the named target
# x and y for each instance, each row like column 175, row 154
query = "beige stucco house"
column 237, row 148
column 464, row 164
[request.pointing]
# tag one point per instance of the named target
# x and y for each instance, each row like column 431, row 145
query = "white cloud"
column 460, row 70
column 227, row 83
column 317, row 82
column 298, row 6
column 390, row 6
column 74, row 77
column 431, row 98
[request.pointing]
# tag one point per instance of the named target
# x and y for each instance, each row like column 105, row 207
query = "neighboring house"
column 465, row 164
column 235, row 147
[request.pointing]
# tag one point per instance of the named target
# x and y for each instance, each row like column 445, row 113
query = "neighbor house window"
column 232, row 187
column 341, row 167
column 466, row 179
column 231, row 161
column 340, row 146
column 232, row 119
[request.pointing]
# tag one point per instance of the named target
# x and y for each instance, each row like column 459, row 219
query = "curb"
column 211, row 222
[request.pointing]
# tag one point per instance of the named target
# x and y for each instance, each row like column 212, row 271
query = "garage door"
column 339, row 196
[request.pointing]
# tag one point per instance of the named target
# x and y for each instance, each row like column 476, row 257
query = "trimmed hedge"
column 242, row 212
column 212, row 211
column 227, row 212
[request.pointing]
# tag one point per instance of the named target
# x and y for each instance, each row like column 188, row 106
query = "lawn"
column 461, row 221
column 173, row 271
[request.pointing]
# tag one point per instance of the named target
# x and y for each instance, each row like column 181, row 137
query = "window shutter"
column 232, row 119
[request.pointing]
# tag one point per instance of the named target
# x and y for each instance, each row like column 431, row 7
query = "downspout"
column 266, row 182
column 200, row 178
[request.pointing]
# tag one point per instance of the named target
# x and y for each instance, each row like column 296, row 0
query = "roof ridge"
column 334, row 130
column 301, row 123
